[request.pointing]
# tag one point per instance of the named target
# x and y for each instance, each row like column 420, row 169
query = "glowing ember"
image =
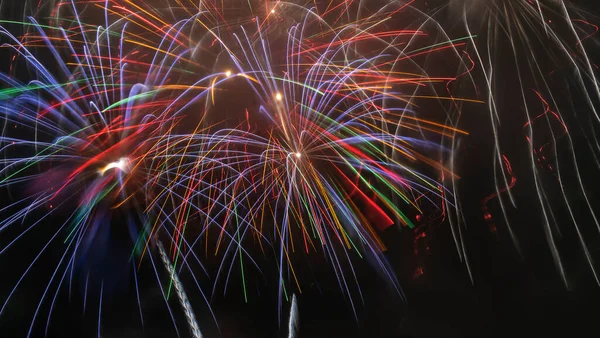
column 121, row 164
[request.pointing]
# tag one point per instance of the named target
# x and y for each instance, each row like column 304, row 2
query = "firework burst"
column 330, row 149
column 84, row 136
column 546, row 48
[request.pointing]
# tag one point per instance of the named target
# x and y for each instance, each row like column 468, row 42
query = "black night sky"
column 511, row 293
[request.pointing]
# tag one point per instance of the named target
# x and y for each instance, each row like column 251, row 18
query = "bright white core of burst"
column 278, row 97
column 272, row 11
column 298, row 155
column 228, row 73
column 121, row 164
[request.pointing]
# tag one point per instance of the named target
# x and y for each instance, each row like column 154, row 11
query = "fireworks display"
column 198, row 138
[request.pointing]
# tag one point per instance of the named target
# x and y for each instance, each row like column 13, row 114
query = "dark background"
column 510, row 294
